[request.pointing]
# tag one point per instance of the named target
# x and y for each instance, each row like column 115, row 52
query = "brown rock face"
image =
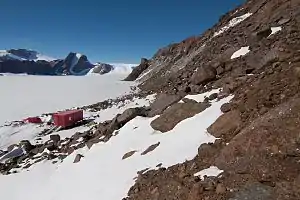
column 137, row 71
column 175, row 114
column 204, row 75
column 269, row 142
column 162, row 102
column 225, row 124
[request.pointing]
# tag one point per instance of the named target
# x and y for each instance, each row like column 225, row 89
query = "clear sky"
column 105, row 30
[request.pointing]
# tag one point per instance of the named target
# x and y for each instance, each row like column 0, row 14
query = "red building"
column 67, row 118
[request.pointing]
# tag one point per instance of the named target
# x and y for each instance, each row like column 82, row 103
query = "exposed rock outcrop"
column 137, row 71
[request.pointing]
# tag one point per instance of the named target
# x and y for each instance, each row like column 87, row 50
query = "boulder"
column 225, row 124
column 128, row 154
column 175, row 114
column 213, row 96
column 11, row 147
column 26, row 145
column 55, row 138
column 150, row 148
column 204, row 75
column 129, row 114
column 284, row 21
column 121, row 119
column 78, row 158
column 162, row 102
column 226, row 107
column 50, row 146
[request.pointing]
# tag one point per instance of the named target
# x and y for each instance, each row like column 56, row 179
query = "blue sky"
column 106, row 31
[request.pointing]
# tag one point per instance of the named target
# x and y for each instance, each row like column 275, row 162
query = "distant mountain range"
column 32, row 62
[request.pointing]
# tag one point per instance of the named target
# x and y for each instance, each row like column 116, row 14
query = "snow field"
column 102, row 174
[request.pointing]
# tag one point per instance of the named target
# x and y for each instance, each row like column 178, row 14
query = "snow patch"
column 232, row 23
column 275, row 30
column 200, row 97
column 241, row 52
column 43, row 57
column 211, row 171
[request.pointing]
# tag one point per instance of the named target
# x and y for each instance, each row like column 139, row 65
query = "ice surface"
column 25, row 96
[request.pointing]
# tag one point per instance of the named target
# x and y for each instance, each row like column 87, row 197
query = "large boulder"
column 204, row 75
column 176, row 113
column 225, row 124
column 162, row 102
column 137, row 71
column 121, row 119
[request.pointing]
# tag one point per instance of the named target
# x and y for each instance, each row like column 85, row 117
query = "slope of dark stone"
column 29, row 67
column 258, row 145
column 73, row 65
column 41, row 67
column 137, row 71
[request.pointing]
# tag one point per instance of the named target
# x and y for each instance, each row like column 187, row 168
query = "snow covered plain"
column 24, row 96
column 102, row 174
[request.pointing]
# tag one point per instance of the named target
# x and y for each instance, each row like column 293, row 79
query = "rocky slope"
column 258, row 61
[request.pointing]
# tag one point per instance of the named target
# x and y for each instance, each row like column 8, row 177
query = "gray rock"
column 55, row 138
column 263, row 33
column 175, row 114
column 254, row 191
column 78, row 158
column 284, row 21
column 11, row 147
column 162, row 102
column 226, row 107
column 26, row 145
column 204, row 75
column 150, row 148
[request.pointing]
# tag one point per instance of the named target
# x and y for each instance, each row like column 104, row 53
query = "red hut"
column 67, row 118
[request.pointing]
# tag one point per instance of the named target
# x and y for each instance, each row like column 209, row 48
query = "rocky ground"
column 258, row 145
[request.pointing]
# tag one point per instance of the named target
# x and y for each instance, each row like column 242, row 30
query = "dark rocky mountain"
column 102, row 68
column 31, row 62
